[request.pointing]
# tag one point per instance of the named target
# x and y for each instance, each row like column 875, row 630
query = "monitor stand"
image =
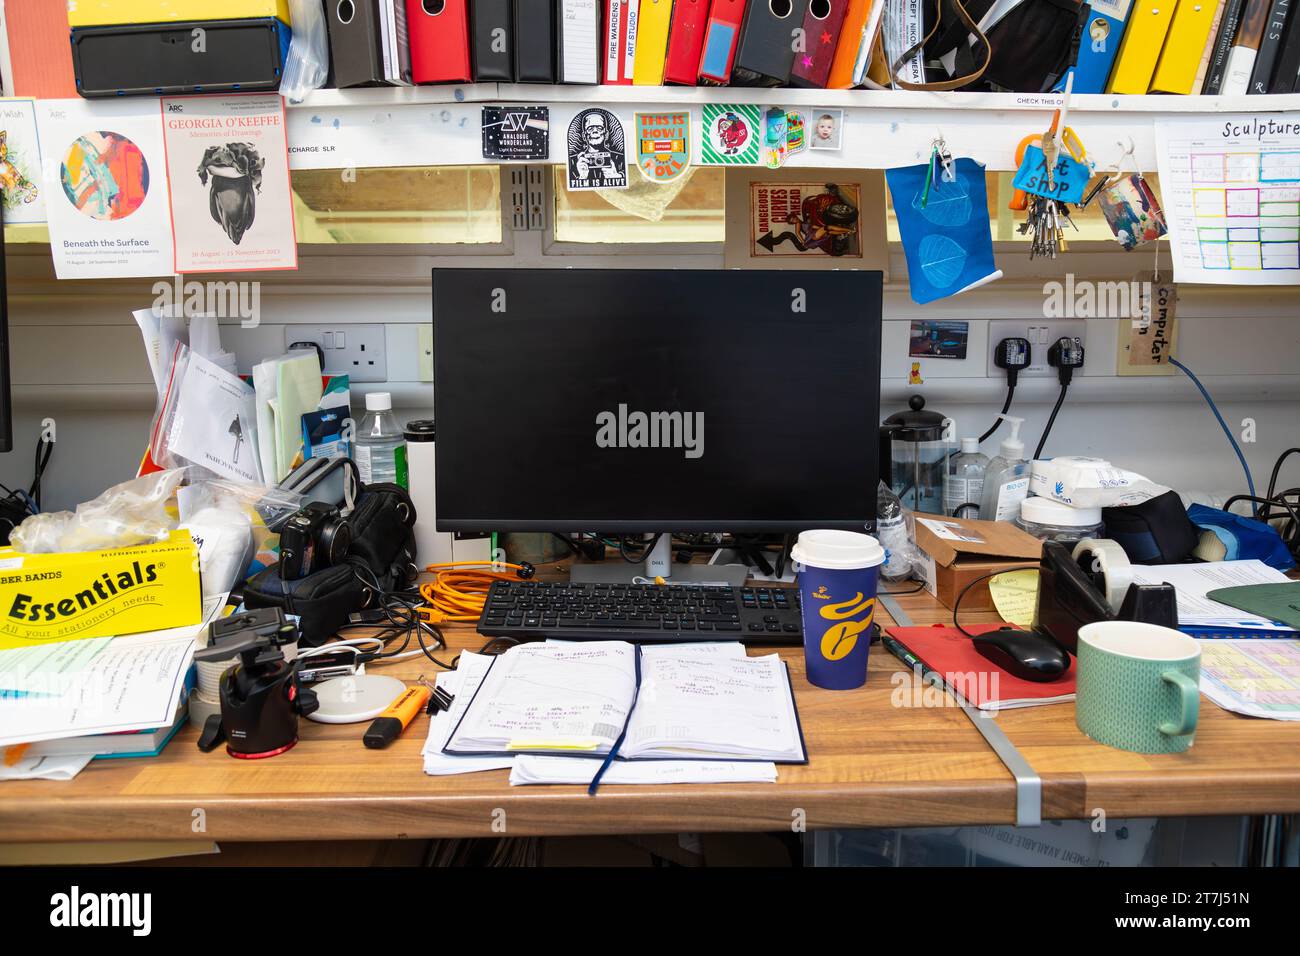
column 658, row 563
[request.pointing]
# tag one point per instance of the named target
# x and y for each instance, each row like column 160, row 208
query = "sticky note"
column 1015, row 595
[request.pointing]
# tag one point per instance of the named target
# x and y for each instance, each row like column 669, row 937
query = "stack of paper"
column 462, row 684
column 62, row 767
column 1202, row 617
column 285, row 388
column 1258, row 678
column 107, row 685
column 576, row 770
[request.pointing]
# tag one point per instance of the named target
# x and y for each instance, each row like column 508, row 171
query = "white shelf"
column 440, row 125
column 678, row 96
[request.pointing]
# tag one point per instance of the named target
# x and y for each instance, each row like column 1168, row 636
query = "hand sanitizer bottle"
column 1006, row 482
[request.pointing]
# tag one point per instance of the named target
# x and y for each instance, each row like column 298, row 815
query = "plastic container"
column 893, row 535
column 431, row 545
column 964, row 482
column 1006, row 482
column 1050, row 520
column 380, row 443
column 838, row 574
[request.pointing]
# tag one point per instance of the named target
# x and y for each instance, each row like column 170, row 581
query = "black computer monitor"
column 656, row 400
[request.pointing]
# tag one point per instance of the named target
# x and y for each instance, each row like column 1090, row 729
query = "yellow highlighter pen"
column 389, row 725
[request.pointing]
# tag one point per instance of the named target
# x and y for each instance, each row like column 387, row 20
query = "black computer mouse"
column 1024, row 654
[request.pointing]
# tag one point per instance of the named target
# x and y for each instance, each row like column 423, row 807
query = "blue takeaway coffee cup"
column 837, row 582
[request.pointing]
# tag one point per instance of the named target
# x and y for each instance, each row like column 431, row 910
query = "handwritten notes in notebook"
column 691, row 706
column 552, row 697
column 577, row 698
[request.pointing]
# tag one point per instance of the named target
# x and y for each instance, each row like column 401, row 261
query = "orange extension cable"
column 459, row 589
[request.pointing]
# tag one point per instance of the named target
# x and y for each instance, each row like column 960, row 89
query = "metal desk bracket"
column 1029, row 785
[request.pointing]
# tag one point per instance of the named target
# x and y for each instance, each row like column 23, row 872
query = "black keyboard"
column 644, row 613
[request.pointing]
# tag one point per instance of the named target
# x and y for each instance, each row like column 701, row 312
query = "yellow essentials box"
column 74, row 595
column 106, row 13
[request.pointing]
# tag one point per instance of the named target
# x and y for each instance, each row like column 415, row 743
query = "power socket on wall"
column 353, row 350
column 1041, row 335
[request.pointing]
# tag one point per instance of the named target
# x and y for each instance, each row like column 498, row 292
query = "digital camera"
column 314, row 537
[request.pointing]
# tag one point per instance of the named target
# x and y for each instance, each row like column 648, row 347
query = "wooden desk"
column 872, row 764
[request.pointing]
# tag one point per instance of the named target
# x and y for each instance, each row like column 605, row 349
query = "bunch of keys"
column 1046, row 225
column 1049, row 216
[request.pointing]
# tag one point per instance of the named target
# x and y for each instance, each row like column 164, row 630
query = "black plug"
column 1065, row 355
column 1012, row 354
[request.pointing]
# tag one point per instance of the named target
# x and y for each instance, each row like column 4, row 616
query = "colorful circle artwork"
column 105, row 175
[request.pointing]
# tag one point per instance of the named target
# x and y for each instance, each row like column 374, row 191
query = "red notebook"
column 948, row 652
column 439, row 41
column 686, row 41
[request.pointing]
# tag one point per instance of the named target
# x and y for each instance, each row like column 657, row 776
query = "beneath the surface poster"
column 105, row 188
column 228, row 171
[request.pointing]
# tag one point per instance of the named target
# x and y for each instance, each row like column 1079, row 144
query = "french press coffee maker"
column 914, row 449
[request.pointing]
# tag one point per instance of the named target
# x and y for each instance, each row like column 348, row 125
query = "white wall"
column 77, row 357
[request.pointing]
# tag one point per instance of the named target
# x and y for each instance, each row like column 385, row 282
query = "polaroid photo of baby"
column 827, row 130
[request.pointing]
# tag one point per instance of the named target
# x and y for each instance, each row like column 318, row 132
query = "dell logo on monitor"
column 624, row 429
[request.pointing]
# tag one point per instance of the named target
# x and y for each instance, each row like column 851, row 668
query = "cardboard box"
column 959, row 550
column 75, row 595
column 101, row 13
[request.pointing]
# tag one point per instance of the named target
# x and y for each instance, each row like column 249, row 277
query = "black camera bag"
column 380, row 560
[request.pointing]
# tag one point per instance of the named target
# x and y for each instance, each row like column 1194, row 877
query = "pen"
column 911, row 660
column 389, row 725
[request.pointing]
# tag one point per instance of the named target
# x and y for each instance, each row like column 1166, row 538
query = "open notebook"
column 580, row 699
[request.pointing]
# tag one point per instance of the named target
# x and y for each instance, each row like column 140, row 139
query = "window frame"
column 556, row 247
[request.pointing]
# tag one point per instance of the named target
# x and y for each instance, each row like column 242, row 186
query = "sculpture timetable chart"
column 1231, row 190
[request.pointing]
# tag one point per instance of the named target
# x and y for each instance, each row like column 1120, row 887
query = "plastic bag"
column 195, row 407
column 262, row 506
column 133, row 512
column 225, row 542
column 227, row 519
column 309, row 54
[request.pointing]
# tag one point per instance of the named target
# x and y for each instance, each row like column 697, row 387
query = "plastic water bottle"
column 380, row 443
column 891, row 532
column 964, row 483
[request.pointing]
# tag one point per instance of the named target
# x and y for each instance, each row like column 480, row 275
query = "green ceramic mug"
column 1138, row 686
